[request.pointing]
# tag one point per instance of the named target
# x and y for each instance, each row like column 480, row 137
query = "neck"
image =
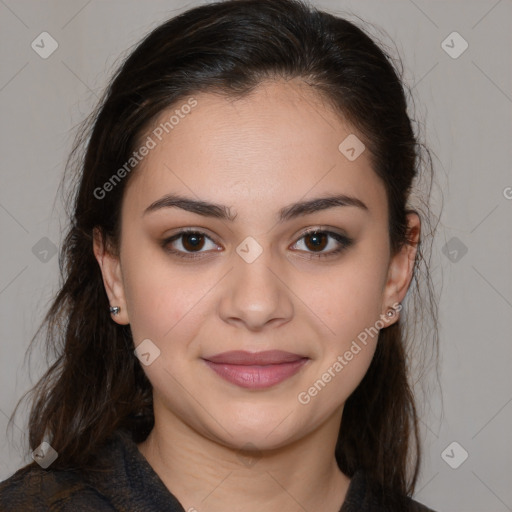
column 208, row 476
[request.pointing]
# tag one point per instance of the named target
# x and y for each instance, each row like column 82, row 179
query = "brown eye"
column 192, row 241
column 188, row 244
column 316, row 241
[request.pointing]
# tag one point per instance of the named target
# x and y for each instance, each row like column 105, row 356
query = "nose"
column 255, row 294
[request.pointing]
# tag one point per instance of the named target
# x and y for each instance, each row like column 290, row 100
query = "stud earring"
column 114, row 310
column 392, row 311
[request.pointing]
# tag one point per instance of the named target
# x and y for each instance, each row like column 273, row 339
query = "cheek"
column 347, row 300
column 350, row 307
column 165, row 301
column 156, row 298
column 155, row 310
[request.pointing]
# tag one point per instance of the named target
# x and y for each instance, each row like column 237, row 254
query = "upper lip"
column 242, row 357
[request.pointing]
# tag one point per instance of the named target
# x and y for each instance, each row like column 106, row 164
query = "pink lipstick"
column 256, row 370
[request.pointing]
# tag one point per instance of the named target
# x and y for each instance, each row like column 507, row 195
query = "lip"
column 256, row 370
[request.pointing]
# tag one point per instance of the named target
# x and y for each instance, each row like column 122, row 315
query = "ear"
column 112, row 276
column 401, row 267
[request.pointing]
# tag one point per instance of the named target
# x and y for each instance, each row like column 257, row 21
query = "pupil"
column 320, row 239
column 193, row 241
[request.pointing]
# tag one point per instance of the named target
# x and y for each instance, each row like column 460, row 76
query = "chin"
column 263, row 429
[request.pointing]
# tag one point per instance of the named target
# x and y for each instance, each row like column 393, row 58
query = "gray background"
column 464, row 105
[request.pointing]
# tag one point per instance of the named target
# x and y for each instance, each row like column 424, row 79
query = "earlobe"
column 110, row 267
column 401, row 267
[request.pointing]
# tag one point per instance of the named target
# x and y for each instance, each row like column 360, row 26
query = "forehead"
column 274, row 146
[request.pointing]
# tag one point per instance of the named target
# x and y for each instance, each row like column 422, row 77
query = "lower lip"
column 257, row 376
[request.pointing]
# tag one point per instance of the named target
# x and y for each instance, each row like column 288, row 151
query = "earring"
column 392, row 311
column 114, row 310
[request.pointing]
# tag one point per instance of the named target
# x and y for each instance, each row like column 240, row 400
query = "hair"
column 95, row 384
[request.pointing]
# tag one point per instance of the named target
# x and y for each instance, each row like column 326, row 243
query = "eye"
column 191, row 242
column 316, row 241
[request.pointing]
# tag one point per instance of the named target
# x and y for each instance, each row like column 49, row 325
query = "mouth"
column 256, row 370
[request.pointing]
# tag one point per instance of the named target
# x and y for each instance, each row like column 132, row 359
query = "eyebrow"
column 222, row 212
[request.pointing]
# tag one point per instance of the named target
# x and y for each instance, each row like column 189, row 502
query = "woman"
column 228, row 329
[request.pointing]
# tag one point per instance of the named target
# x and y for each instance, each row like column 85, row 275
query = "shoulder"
column 415, row 506
column 367, row 495
column 36, row 489
column 116, row 478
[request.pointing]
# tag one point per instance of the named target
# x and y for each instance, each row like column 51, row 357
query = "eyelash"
column 344, row 241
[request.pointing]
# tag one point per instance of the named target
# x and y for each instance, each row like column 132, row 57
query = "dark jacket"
column 129, row 484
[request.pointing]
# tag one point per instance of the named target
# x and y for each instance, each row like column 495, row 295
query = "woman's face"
column 253, row 280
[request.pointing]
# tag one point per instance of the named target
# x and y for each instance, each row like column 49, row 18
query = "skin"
column 255, row 155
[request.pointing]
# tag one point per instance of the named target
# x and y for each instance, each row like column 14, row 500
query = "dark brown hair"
column 95, row 383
